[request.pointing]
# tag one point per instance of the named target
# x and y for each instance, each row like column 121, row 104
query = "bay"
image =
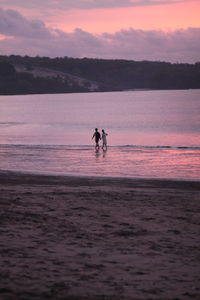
column 150, row 133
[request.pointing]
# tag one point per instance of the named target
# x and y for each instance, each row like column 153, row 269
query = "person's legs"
column 97, row 144
column 104, row 145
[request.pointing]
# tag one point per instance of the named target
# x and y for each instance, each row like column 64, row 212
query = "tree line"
column 110, row 75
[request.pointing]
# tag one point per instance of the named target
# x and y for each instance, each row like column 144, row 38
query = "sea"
column 151, row 134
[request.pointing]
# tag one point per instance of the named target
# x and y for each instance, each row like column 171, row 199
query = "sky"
column 158, row 30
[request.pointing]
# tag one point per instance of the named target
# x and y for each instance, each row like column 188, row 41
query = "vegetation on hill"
column 67, row 75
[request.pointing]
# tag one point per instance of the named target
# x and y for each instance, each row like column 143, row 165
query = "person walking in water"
column 104, row 139
column 97, row 137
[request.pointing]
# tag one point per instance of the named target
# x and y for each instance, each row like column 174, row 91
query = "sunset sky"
column 164, row 30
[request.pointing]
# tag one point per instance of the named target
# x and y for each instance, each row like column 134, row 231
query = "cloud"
column 83, row 4
column 32, row 37
column 13, row 23
column 175, row 46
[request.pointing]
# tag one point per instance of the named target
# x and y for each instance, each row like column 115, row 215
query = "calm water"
column 150, row 133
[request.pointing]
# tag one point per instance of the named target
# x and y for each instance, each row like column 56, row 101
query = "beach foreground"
column 98, row 238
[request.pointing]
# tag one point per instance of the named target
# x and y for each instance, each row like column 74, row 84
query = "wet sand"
column 98, row 238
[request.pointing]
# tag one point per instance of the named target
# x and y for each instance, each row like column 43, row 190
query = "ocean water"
column 151, row 134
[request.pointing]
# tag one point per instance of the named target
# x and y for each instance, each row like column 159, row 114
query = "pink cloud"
column 13, row 23
column 84, row 4
column 33, row 37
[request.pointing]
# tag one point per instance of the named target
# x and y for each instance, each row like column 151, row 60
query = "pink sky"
column 130, row 29
column 165, row 17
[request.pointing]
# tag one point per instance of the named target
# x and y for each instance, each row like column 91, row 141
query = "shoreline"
column 104, row 91
column 74, row 237
column 57, row 178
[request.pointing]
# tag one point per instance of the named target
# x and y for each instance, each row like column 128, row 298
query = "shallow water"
column 174, row 163
column 151, row 134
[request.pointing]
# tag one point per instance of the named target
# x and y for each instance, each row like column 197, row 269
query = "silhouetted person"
column 104, row 139
column 97, row 137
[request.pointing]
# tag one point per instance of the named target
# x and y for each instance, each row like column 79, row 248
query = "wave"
column 89, row 147
column 159, row 147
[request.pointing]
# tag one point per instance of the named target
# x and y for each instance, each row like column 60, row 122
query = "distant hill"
column 39, row 75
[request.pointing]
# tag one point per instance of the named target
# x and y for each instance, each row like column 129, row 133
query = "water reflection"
column 121, row 162
column 105, row 152
column 100, row 154
column 97, row 153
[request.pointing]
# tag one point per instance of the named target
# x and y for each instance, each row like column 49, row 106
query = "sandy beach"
column 98, row 238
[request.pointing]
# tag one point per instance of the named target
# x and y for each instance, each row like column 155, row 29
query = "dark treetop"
column 38, row 75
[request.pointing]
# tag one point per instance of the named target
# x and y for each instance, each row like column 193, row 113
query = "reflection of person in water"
column 104, row 139
column 97, row 137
